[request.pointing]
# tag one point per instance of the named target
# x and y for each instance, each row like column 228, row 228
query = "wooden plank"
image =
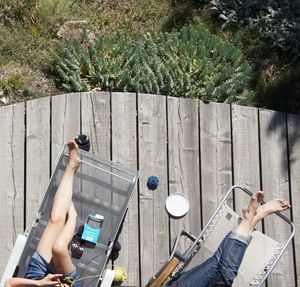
column 152, row 131
column 184, row 167
column 96, row 122
column 294, row 157
column 37, row 154
column 12, row 131
column 124, row 151
column 65, row 125
column 246, row 165
column 65, row 121
column 216, row 169
column 245, row 141
column 274, row 166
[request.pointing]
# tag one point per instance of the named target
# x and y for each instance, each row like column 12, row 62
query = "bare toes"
column 72, row 144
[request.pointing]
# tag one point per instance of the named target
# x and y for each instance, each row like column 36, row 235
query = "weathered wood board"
column 12, row 134
column 37, row 154
column 293, row 124
column 184, row 166
column 96, row 122
column 65, row 122
column 124, row 151
column 275, row 182
column 216, row 157
column 246, row 153
column 154, row 227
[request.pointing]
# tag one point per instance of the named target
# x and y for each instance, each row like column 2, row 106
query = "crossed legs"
column 59, row 231
column 255, row 212
column 222, row 267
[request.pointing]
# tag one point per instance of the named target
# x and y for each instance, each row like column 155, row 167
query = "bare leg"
column 60, row 255
column 63, row 196
column 61, row 205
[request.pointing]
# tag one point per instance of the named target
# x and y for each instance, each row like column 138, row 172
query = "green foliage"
column 188, row 63
column 278, row 21
column 13, row 84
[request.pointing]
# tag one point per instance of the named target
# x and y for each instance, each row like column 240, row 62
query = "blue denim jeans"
column 221, row 268
column 39, row 268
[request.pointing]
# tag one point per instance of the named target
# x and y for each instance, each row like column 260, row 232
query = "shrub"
column 188, row 63
column 278, row 21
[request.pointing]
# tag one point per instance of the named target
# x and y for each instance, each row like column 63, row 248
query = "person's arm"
column 50, row 279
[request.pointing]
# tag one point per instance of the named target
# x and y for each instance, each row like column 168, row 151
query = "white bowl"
column 177, row 204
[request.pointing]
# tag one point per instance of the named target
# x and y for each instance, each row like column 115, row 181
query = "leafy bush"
column 278, row 21
column 188, row 63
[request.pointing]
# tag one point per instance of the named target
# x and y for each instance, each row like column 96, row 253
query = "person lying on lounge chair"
column 51, row 263
column 222, row 268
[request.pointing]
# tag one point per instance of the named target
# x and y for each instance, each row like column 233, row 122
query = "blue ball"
column 152, row 182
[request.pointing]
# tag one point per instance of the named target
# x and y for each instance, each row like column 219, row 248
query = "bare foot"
column 74, row 159
column 255, row 202
column 246, row 226
column 256, row 212
column 272, row 206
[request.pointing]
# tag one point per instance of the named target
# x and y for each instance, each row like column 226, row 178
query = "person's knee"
column 56, row 218
column 60, row 247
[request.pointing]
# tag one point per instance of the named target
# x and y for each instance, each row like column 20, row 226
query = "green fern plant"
column 189, row 63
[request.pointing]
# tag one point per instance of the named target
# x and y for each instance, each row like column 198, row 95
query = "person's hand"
column 51, row 279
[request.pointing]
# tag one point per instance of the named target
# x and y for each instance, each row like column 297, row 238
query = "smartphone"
column 92, row 228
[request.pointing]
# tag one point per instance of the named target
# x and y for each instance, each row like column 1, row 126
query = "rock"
column 71, row 29
column 3, row 101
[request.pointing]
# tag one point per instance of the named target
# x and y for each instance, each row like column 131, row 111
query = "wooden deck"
column 200, row 149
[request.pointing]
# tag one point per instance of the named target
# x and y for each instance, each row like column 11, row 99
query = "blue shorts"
column 39, row 268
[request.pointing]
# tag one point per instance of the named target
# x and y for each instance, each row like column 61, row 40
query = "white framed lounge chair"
column 253, row 270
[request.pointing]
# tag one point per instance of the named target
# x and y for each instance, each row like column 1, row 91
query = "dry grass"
column 20, row 82
column 28, row 32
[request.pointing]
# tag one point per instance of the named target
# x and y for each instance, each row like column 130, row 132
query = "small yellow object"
column 69, row 280
column 120, row 274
